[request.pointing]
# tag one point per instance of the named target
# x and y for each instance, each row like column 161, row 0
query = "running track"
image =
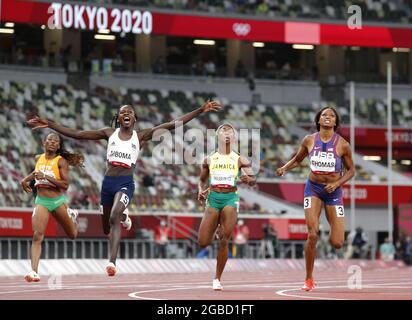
column 384, row 284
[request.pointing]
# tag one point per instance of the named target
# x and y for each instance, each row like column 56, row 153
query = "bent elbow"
column 353, row 172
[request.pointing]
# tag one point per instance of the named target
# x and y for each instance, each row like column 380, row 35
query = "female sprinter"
column 51, row 176
column 217, row 185
column 327, row 151
column 122, row 151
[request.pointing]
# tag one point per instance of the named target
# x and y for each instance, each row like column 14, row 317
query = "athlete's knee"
column 313, row 237
column 336, row 243
column 203, row 243
column 114, row 218
column 223, row 241
column 38, row 236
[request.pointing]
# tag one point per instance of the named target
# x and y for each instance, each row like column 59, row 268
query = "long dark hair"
column 317, row 117
column 114, row 123
column 75, row 159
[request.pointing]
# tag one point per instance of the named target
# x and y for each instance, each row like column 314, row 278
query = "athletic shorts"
column 313, row 189
column 112, row 185
column 218, row 200
column 50, row 204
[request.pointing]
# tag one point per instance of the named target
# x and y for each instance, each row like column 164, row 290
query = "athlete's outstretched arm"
column 349, row 166
column 297, row 158
column 247, row 175
column 203, row 181
column 103, row 133
column 146, row 134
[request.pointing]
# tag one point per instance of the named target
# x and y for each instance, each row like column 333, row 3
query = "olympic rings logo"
column 241, row 29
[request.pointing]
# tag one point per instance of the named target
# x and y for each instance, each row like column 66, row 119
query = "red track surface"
column 385, row 284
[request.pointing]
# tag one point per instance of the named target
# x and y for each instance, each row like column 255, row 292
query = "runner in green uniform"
column 218, row 179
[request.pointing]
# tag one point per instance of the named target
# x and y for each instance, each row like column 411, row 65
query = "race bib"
column 339, row 211
column 307, row 203
column 322, row 161
column 222, row 178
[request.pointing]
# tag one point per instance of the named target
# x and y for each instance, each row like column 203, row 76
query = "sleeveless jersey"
column 122, row 153
column 224, row 169
column 49, row 168
column 323, row 159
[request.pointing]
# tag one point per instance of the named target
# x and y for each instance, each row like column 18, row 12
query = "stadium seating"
column 159, row 186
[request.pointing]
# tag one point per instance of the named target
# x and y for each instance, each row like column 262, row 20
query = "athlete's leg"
column 313, row 206
column 208, row 227
column 121, row 201
column 62, row 217
column 227, row 220
column 106, row 219
column 39, row 220
column 336, row 218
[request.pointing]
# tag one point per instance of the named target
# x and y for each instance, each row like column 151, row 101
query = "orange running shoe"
column 309, row 285
column 32, row 276
column 111, row 269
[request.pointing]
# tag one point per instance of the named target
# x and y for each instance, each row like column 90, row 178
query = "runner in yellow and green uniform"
column 51, row 174
column 219, row 176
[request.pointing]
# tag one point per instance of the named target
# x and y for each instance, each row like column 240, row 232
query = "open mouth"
column 126, row 120
column 327, row 121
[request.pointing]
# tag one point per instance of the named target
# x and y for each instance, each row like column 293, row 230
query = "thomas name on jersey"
column 323, row 159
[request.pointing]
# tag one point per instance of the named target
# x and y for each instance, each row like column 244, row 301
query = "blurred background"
column 272, row 64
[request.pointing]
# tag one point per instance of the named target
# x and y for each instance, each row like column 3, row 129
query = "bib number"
column 339, row 211
column 307, row 203
column 124, row 199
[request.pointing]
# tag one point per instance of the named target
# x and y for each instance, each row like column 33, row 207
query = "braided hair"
column 114, row 123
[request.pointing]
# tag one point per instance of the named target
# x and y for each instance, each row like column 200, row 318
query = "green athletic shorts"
column 218, row 200
column 51, row 203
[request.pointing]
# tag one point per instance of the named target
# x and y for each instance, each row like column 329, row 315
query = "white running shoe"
column 32, row 276
column 111, row 269
column 216, row 285
column 127, row 224
column 73, row 213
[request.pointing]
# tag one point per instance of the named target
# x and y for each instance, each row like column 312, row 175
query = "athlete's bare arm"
column 146, row 134
column 63, row 182
column 25, row 182
column 247, row 174
column 103, row 133
column 349, row 166
column 203, row 181
column 303, row 151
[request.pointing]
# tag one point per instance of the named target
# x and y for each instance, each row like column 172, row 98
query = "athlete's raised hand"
column 37, row 123
column 280, row 171
column 211, row 105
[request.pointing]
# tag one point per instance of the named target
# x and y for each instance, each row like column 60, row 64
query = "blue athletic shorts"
column 112, row 185
column 313, row 189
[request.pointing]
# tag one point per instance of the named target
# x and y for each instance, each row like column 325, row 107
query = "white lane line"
column 303, row 295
